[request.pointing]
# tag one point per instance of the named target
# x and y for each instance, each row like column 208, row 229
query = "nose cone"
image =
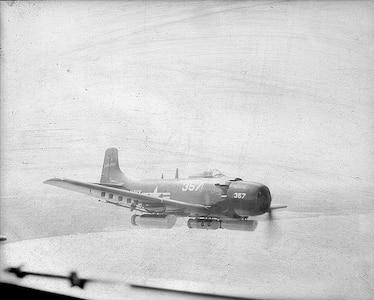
column 249, row 198
column 263, row 199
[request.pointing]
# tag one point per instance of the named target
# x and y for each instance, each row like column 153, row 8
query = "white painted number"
column 239, row 195
column 192, row 187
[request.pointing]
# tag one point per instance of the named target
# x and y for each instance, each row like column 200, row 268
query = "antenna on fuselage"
column 162, row 176
column 176, row 174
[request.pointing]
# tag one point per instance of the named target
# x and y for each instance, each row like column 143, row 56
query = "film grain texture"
column 275, row 92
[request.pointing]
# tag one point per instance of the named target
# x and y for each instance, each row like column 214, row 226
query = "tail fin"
column 111, row 173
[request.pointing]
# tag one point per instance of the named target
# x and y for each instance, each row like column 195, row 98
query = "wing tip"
column 50, row 181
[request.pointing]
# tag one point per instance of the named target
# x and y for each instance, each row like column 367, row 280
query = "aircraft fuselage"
column 224, row 195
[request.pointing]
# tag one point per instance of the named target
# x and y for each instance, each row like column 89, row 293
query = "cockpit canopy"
column 212, row 173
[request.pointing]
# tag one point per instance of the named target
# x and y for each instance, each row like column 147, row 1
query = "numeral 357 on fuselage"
column 239, row 195
column 192, row 187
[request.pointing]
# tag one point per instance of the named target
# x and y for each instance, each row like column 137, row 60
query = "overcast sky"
column 194, row 85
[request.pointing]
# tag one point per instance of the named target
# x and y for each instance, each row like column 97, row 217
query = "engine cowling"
column 249, row 198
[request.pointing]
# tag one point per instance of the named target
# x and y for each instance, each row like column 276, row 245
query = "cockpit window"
column 212, row 173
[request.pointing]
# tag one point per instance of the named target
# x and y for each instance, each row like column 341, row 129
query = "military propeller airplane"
column 211, row 200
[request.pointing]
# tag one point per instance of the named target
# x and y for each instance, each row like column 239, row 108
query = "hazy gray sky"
column 210, row 83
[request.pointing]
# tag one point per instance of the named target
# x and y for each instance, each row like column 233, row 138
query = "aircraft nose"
column 263, row 200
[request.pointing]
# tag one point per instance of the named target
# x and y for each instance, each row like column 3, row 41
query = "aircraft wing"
column 95, row 190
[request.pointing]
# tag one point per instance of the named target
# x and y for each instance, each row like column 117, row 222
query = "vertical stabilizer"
column 111, row 173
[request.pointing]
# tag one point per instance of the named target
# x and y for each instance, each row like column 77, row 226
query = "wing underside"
column 117, row 195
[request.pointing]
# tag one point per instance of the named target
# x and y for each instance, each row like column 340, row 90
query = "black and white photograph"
column 187, row 149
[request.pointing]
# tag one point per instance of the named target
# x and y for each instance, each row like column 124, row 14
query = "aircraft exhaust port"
column 243, row 225
column 203, row 224
column 154, row 221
